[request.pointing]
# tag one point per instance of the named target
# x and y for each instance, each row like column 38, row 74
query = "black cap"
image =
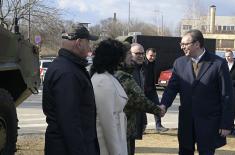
column 79, row 32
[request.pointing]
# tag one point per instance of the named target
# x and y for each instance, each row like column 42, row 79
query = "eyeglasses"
column 138, row 53
column 186, row 44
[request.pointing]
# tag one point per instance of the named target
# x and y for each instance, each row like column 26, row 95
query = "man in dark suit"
column 231, row 65
column 149, row 86
column 203, row 82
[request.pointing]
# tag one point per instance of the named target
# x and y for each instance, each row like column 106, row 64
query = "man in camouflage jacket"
column 137, row 101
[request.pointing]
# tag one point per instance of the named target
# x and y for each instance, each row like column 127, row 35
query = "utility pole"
column 1, row 4
column 129, row 16
column 161, row 27
column 1, row 19
column 157, row 25
column 29, row 24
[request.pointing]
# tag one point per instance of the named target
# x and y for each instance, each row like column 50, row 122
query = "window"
column 187, row 27
column 232, row 28
column 219, row 28
column 224, row 28
column 227, row 43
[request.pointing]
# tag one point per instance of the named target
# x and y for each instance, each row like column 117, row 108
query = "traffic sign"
column 37, row 39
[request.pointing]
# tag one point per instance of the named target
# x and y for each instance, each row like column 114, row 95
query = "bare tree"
column 35, row 18
column 148, row 29
column 144, row 28
column 108, row 28
column 196, row 15
column 195, row 9
column 111, row 28
column 178, row 29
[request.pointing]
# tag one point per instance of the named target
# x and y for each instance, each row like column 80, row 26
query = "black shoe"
column 161, row 129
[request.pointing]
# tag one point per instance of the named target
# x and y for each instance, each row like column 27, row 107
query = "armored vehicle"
column 19, row 74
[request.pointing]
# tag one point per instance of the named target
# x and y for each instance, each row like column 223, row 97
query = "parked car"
column 164, row 78
column 44, row 63
column 89, row 59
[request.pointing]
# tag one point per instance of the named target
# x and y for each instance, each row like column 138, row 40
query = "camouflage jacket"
column 137, row 101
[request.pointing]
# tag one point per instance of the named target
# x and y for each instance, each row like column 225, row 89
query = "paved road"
column 32, row 119
column 170, row 120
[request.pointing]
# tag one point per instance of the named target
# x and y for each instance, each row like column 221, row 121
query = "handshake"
column 163, row 110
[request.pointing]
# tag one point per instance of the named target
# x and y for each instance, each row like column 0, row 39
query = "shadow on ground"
column 161, row 150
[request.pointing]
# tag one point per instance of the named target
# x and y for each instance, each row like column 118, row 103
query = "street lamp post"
column 161, row 31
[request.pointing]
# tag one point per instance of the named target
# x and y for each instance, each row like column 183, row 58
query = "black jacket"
column 141, row 118
column 232, row 74
column 69, row 106
column 150, row 78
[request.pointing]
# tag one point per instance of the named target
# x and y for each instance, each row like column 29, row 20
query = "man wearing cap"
column 68, row 99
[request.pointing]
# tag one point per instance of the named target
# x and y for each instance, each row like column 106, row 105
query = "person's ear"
column 78, row 43
column 197, row 43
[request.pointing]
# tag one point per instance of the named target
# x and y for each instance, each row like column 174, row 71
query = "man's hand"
column 224, row 132
column 163, row 110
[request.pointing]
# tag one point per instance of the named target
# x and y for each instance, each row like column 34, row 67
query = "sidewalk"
column 167, row 144
column 152, row 144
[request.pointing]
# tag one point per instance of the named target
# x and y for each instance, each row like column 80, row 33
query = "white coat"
column 111, row 121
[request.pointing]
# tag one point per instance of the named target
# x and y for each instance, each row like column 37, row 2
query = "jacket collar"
column 69, row 55
column 206, row 61
column 137, row 66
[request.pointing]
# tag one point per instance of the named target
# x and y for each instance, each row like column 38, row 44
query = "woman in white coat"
column 110, row 98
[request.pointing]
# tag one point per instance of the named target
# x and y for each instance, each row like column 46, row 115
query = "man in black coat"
column 203, row 82
column 231, row 65
column 149, row 87
column 68, row 99
column 137, row 52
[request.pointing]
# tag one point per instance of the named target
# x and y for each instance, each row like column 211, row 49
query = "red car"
column 164, row 77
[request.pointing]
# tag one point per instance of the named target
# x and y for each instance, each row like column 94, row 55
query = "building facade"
column 221, row 28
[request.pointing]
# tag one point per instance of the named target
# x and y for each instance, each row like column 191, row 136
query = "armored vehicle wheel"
column 8, row 124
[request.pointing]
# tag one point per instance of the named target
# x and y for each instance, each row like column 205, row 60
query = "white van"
column 44, row 63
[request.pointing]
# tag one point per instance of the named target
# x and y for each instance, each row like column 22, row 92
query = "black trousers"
column 131, row 146
column 187, row 151
column 153, row 96
column 184, row 151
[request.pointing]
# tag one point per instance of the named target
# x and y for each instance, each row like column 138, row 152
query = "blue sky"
column 150, row 11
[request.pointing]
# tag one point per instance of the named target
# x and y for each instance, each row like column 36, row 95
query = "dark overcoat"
column 141, row 118
column 69, row 105
column 150, row 79
column 205, row 101
column 232, row 73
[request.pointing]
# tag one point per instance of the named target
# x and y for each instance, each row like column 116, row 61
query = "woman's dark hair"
column 108, row 55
